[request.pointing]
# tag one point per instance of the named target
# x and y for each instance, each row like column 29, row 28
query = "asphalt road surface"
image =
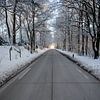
column 52, row 77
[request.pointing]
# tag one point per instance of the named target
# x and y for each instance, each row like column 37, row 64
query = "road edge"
column 10, row 77
column 79, row 65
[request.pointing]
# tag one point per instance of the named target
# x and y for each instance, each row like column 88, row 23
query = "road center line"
column 82, row 73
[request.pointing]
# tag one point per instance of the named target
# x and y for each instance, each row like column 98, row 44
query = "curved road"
column 52, row 77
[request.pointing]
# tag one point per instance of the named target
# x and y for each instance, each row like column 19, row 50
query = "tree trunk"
column 69, row 42
column 14, row 23
column 64, row 44
column 98, row 42
column 71, row 39
column 96, row 51
column 20, row 29
column 33, row 33
column 8, row 29
column 65, row 40
column 86, row 46
column 82, row 50
column 98, row 33
column 78, row 41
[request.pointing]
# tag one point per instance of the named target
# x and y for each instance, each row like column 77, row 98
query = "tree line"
column 80, row 23
column 24, row 18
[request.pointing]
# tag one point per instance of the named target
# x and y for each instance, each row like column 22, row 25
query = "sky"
column 54, row 1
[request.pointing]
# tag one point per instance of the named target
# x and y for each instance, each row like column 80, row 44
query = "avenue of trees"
column 79, row 26
column 22, row 20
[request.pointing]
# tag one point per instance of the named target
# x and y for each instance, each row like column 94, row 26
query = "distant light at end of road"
column 52, row 46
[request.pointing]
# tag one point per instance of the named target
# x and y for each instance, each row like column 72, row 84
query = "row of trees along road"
column 24, row 15
column 80, row 25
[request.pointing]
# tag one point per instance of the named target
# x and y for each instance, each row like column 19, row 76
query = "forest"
column 75, row 26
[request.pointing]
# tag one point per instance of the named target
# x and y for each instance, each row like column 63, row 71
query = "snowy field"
column 7, row 67
column 91, row 64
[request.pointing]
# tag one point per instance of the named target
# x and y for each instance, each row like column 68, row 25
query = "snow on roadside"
column 8, row 67
column 90, row 63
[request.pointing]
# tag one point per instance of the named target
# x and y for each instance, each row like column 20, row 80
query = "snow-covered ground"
column 8, row 67
column 91, row 64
